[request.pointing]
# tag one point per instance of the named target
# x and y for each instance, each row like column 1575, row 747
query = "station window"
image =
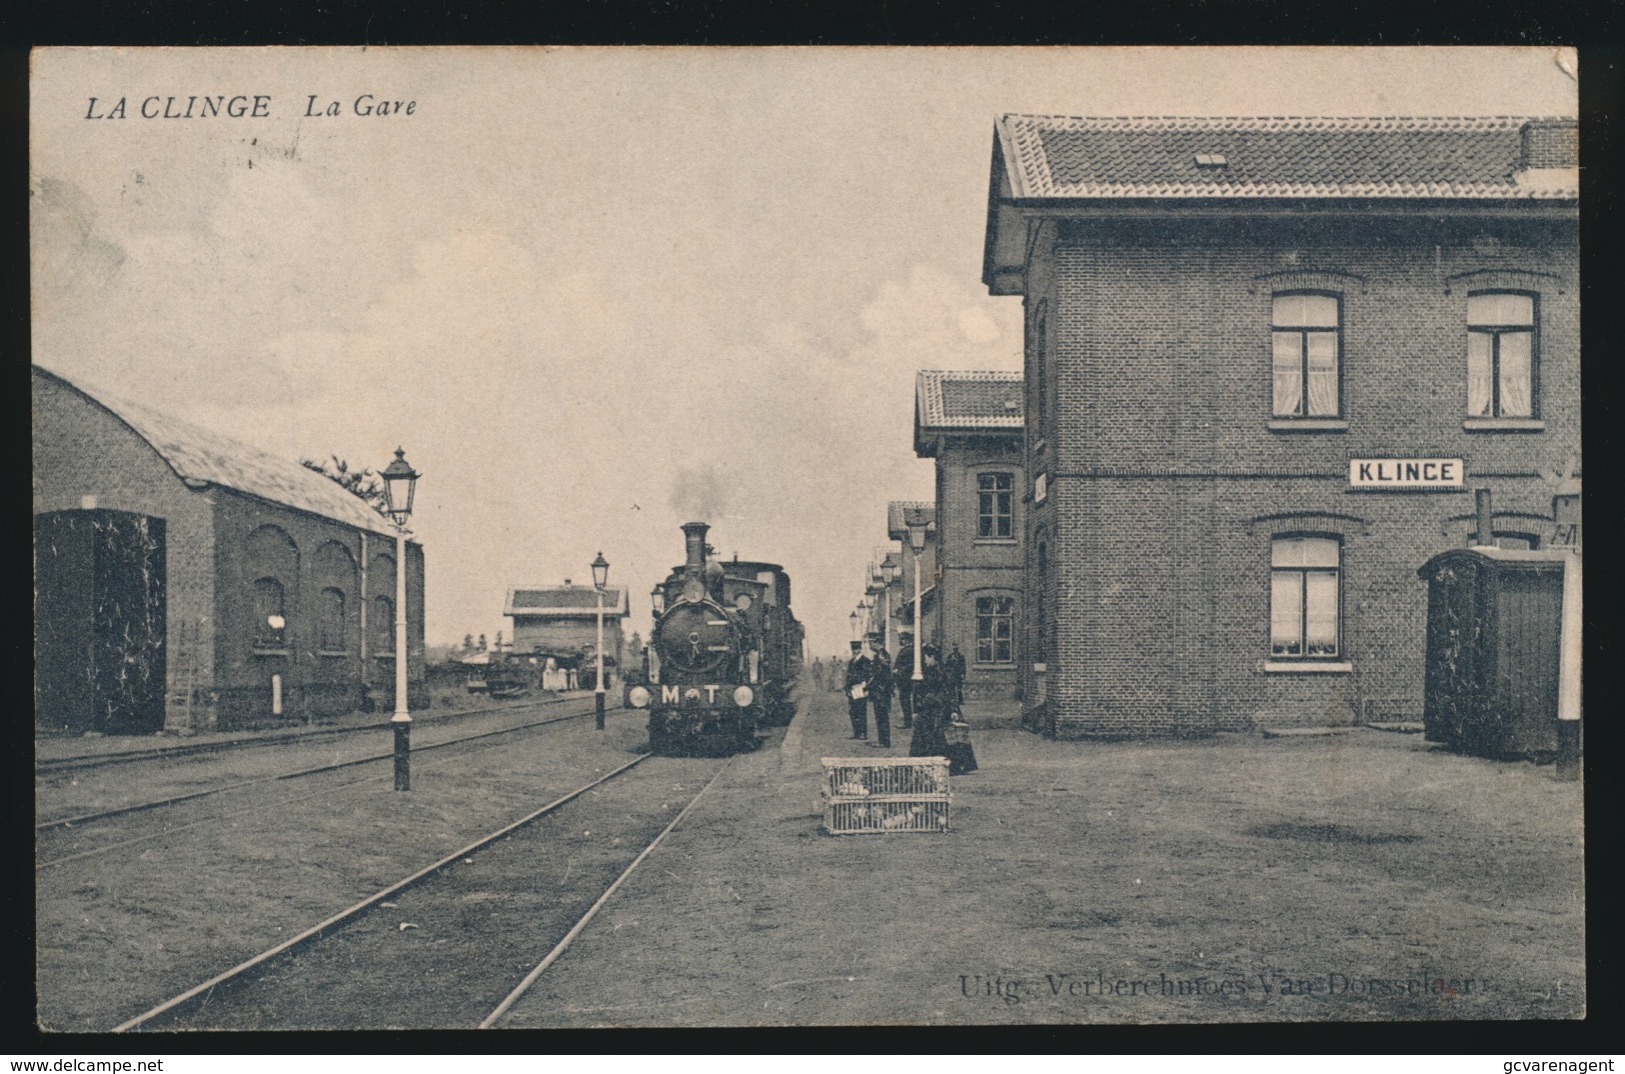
column 995, row 511
column 1306, row 341
column 1501, row 355
column 1305, row 611
column 995, row 617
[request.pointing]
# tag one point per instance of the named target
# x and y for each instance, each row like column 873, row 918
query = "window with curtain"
column 995, row 617
column 332, row 621
column 1306, row 341
column 1501, row 355
column 1305, row 611
column 995, row 511
column 270, row 625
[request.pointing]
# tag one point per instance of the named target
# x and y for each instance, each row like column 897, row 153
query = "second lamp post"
column 600, row 579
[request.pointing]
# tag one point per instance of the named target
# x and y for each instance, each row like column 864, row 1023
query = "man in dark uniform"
column 903, row 677
column 880, row 691
column 858, row 670
column 953, row 668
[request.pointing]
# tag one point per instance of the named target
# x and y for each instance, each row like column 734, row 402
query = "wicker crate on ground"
column 865, row 795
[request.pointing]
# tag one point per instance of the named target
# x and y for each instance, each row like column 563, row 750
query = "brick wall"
column 81, row 450
column 317, row 554
column 1165, row 473
column 565, row 634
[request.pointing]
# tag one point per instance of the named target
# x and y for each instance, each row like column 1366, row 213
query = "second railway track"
column 46, row 766
column 455, row 944
column 79, row 818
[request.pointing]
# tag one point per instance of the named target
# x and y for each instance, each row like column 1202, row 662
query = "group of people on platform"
column 930, row 704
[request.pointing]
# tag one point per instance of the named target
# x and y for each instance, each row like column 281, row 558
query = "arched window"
column 1306, row 343
column 1305, row 597
column 270, row 626
column 383, row 626
column 332, row 621
column 1501, row 354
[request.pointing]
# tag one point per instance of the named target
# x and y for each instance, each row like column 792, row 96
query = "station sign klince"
column 1406, row 473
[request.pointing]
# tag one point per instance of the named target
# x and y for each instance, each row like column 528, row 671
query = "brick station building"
column 1268, row 362
column 971, row 423
column 187, row 582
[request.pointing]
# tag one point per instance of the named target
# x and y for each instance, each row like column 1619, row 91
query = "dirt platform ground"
column 1352, row 877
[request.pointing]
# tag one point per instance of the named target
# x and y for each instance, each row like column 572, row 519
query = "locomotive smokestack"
column 1481, row 501
column 694, row 541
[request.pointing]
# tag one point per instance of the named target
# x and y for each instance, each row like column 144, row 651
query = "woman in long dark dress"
column 931, row 708
column 934, row 712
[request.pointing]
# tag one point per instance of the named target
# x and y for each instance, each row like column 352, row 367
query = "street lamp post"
column 600, row 579
column 853, row 619
column 888, row 572
column 400, row 485
column 916, row 544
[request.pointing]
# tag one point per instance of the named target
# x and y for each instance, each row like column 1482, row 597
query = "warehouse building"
column 187, row 582
column 1268, row 363
column 562, row 622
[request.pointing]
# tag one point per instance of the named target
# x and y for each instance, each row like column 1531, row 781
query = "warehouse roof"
column 201, row 456
column 563, row 601
column 1288, row 156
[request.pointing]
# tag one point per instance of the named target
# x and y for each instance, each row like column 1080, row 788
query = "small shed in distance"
column 1496, row 620
column 562, row 621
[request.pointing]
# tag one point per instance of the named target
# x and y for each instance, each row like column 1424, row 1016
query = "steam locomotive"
column 723, row 656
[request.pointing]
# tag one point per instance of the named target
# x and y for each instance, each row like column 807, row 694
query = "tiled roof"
column 200, row 455
column 898, row 512
column 563, row 600
column 965, row 399
column 1289, row 157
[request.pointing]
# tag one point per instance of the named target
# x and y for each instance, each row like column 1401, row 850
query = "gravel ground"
column 120, row 932
column 1363, row 876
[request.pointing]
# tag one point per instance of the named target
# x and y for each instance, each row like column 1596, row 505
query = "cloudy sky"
column 597, row 293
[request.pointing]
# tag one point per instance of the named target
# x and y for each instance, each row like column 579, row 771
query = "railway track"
column 458, row 964
column 52, row 765
column 81, row 819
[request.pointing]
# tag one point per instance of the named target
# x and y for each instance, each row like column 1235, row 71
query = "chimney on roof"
column 1550, row 143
